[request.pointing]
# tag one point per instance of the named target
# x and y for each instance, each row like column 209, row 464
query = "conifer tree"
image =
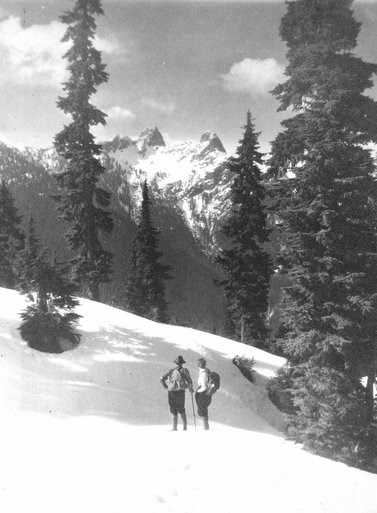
column 327, row 217
column 49, row 318
column 246, row 263
column 145, row 285
column 11, row 238
column 82, row 203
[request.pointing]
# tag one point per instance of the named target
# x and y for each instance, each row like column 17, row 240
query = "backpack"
column 214, row 381
column 178, row 380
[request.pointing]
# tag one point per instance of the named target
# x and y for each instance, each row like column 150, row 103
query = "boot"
column 184, row 421
column 205, row 423
column 175, row 423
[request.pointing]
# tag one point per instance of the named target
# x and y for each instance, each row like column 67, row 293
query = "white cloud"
column 120, row 113
column 105, row 133
column 253, row 76
column 162, row 107
column 107, row 46
column 34, row 55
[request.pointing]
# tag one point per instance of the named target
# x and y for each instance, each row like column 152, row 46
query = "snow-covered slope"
column 87, row 431
column 190, row 177
column 115, row 371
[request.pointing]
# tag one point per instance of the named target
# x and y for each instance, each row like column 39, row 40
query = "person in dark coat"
column 203, row 395
column 176, row 381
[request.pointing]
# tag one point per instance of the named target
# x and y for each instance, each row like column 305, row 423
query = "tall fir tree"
column 82, row 203
column 327, row 220
column 11, row 238
column 145, row 284
column 48, row 320
column 246, row 263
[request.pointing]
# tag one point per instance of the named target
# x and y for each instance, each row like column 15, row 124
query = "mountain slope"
column 191, row 178
column 88, row 430
column 123, row 354
column 183, row 190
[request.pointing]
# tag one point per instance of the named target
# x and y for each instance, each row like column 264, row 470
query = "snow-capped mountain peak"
column 181, row 161
column 189, row 177
column 135, row 148
column 211, row 142
column 151, row 137
column 192, row 176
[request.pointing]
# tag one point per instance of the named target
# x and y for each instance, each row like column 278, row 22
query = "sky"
column 186, row 67
column 88, row 431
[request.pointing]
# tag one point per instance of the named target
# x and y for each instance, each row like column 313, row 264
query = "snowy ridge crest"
column 190, row 177
column 193, row 177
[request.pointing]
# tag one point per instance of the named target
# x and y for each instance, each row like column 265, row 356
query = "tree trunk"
column 93, row 291
column 242, row 330
column 42, row 300
column 369, row 395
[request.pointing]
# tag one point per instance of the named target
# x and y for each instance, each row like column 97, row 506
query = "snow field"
column 88, row 431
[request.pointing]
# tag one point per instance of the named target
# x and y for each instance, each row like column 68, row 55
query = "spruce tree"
column 145, row 284
column 11, row 238
column 49, row 318
column 82, row 203
column 327, row 218
column 246, row 263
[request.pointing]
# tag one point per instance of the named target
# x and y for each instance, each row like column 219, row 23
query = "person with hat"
column 203, row 394
column 176, row 381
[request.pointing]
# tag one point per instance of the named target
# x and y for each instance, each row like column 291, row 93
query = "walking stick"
column 193, row 409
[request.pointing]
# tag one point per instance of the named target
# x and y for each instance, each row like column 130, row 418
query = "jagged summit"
column 151, row 137
column 118, row 143
column 211, row 142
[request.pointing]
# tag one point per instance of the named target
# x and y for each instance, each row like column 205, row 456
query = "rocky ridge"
column 191, row 177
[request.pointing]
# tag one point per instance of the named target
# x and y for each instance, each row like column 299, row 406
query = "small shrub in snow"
column 246, row 366
column 278, row 391
column 49, row 332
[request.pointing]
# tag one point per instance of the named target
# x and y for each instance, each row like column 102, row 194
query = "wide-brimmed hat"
column 179, row 360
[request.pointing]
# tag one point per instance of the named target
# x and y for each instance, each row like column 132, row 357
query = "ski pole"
column 193, row 409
